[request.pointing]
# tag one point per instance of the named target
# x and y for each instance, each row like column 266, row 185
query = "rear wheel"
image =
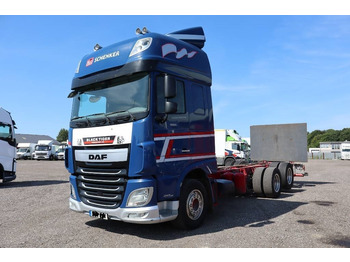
column 257, row 180
column 272, row 182
column 287, row 175
column 193, row 205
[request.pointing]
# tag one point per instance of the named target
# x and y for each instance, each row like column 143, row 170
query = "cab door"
column 171, row 134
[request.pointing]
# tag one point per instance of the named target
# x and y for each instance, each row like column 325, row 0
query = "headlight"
column 140, row 197
column 141, row 45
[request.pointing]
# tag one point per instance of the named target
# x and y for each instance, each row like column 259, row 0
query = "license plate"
column 99, row 215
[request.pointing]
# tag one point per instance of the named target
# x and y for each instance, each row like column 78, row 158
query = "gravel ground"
column 314, row 213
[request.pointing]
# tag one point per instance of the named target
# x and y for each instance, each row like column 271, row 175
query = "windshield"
column 42, row 148
column 5, row 131
column 110, row 102
column 22, row 150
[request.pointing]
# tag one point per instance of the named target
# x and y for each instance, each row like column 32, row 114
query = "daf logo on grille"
column 98, row 157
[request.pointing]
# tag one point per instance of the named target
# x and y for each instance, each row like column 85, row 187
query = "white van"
column 7, row 147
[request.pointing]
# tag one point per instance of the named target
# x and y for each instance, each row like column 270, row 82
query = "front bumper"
column 162, row 212
column 42, row 157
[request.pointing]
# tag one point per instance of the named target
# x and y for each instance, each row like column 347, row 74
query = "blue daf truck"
column 141, row 138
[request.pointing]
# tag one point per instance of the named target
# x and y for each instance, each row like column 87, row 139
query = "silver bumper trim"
column 162, row 212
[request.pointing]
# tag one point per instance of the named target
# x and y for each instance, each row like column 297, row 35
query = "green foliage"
column 315, row 137
column 62, row 135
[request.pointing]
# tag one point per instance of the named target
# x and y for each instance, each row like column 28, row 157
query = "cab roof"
column 178, row 53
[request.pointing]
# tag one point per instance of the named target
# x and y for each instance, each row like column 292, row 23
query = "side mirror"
column 72, row 94
column 169, row 86
column 170, row 107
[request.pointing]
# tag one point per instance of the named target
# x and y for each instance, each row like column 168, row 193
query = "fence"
column 323, row 155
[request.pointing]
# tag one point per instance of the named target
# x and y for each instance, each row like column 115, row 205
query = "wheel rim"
column 276, row 183
column 289, row 176
column 195, row 204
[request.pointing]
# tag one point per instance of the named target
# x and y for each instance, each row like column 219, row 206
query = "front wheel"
column 193, row 205
column 230, row 162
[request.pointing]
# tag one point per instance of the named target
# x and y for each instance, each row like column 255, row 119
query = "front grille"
column 41, row 154
column 99, row 186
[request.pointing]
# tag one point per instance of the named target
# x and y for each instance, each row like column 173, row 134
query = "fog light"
column 138, row 215
column 140, row 197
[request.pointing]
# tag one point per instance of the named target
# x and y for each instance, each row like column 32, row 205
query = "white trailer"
column 44, row 150
column 345, row 150
column 25, row 150
column 7, row 147
column 229, row 147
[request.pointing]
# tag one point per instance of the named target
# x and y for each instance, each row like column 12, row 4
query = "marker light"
column 143, row 31
column 141, row 45
column 72, row 192
column 97, row 47
column 138, row 31
column 78, row 68
column 140, row 197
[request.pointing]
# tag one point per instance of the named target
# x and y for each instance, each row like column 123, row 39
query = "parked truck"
column 25, row 150
column 141, row 143
column 7, row 147
column 59, row 154
column 230, row 148
column 45, row 150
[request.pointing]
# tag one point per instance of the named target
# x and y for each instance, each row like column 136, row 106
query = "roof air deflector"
column 194, row 36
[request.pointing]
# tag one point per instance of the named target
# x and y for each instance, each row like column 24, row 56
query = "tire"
column 1, row 174
column 257, row 180
column 287, row 175
column 193, row 205
column 230, row 162
column 272, row 182
column 274, row 164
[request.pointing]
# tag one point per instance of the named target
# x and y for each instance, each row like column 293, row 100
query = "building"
column 28, row 138
column 327, row 150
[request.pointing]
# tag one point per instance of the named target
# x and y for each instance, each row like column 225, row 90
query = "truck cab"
column 25, row 150
column 141, row 137
column 44, row 150
column 7, row 147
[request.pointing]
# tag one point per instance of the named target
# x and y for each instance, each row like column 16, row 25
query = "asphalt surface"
column 314, row 213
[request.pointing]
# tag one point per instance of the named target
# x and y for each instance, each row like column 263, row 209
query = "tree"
column 62, row 135
column 345, row 134
column 315, row 137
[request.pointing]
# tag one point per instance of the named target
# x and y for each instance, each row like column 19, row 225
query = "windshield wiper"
column 110, row 118
column 116, row 114
column 101, row 114
column 82, row 118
